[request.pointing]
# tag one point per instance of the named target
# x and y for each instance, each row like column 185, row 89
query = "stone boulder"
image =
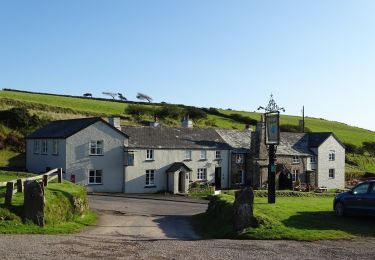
column 243, row 209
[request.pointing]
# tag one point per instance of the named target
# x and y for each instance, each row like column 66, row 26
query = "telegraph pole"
column 272, row 139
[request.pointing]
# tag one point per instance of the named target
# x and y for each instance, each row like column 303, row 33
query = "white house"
column 90, row 151
column 106, row 157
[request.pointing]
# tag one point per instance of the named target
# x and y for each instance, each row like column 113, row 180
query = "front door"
column 181, row 179
column 218, row 178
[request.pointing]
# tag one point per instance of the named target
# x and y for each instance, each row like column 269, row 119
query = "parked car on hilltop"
column 359, row 200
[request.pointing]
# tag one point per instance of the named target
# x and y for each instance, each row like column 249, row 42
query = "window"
column 295, row 174
column 36, row 146
column 44, row 147
column 295, row 160
column 95, row 177
column 372, row 190
column 96, row 147
column 218, row 155
column 331, row 173
column 150, row 155
column 129, row 159
column 203, row 155
column 202, row 174
column 188, row 155
column 361, row 189
column 239, row 158
column 150, row 177
column 239, row 177
column 55, row 147
column 313, row 159
column 332, row 155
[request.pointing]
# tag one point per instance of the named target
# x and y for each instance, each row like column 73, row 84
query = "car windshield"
column 361, row 189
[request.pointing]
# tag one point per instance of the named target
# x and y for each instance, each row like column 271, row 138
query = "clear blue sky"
column 211, row 53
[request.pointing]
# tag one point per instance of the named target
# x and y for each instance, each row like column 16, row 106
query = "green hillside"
column 52, row 107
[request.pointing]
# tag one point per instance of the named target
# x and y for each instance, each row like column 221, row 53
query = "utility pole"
column 303, row 119
column 272, row 139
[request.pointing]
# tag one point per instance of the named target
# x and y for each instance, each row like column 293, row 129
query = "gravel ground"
column 93, row 247
column 131, row 228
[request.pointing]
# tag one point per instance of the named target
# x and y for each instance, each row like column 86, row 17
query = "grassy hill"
column 52, row 107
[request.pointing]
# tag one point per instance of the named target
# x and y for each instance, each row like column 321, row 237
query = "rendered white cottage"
column 105, row 157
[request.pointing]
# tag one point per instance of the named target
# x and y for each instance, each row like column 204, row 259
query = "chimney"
column 156, row 122
column 115, row 121
column 186, row 122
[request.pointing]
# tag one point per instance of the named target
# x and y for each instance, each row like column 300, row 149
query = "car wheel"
column 339, row 209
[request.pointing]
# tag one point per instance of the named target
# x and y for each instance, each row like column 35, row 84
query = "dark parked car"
column 359, row 200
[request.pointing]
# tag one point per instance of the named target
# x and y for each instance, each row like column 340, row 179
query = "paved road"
column 145, row 218
column 153, row 229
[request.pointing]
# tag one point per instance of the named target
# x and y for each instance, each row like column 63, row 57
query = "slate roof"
column 239, row 140
column 174, row 138
column 294, row 144
column 316, row 139
column 177, row 166
column 62, row 129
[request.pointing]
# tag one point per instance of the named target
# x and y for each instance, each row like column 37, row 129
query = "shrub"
column 19, row 118
column 243, row 119
column 195, row 113
column 369, row 147
column 293, row 128
column 15, row 142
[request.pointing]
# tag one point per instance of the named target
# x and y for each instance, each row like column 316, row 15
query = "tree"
column 141, row 96
column 87, row 95
column 111, row 94
column 369, row 147
column 121, row 97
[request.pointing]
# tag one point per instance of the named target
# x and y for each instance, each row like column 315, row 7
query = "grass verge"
column 66, row 211
column 294, row 218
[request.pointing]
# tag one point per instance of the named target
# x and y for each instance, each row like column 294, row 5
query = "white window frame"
column 202, row 174
column 96, row 147
column 239, row 158
column 332, row 155
column 203, row 155
column 218, row 155
column 44, row 147
column 295, row 175
column 150, row 155
column 95, row 175
column 36, row 146
column 55, row 147
column 188, row 154
column 313, row 159
column 150, row 178
column 332, row 173
column 296, row 159
column 242, row 177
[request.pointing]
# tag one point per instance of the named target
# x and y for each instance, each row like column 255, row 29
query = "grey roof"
column 239, row 140
column 177, row 166
column 174, row 138
column 65, row 128
column 316, row 139
column 294, row 144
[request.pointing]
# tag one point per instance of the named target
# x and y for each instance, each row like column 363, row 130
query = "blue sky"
column 209, row 53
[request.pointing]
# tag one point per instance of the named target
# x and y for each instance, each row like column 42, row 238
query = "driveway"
column 145, row 218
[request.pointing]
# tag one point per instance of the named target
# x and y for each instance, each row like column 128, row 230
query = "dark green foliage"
column 195, row 113
column 15, row 142
column 169, row 111
column 369, row 147
column 19, row 118
column 351, row 148
column 138, row 110
column 243, row 119
column 293, row 128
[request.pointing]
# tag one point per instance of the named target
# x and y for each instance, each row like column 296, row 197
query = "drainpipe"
column 229, row 167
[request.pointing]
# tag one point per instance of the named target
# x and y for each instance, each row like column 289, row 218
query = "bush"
column 169, row 111
column 243, row 119
column 369, row 147
column 15, row 142
column 195, row 113
column 19, row 118
column 138, row 110
column 293, row 128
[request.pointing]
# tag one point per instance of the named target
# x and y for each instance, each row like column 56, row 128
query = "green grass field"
column 295, row 218
column 61, row 216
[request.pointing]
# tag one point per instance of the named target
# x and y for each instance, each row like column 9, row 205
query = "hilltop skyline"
column 203, row 53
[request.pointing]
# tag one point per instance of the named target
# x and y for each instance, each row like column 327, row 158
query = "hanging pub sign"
column 272, row 129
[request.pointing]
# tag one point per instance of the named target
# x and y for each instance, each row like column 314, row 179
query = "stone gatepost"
column 243, row 209
column 34, row 202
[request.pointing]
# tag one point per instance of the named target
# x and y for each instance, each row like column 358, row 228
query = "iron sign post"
column 272, row 139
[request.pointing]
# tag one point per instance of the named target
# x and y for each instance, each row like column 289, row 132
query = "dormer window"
column 295, row 160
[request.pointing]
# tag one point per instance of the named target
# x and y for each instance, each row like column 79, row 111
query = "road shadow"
column 177, row 227
column 327, row 220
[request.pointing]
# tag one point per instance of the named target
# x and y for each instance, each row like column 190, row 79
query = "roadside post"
column 272, row 139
